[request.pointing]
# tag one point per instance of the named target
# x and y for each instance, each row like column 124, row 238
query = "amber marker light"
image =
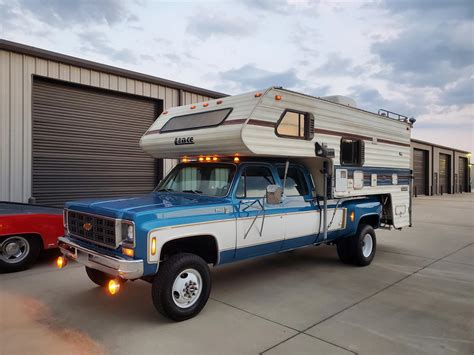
column 61, row 262
column 153, row 246
column 128, row 252
column 277, row 97
column 219, row 102
column 201, row 159
column 236, row 159
column 165, row 112
column 205, row 104
column 113, row 287
column 193, row 107
column 214, row 159
column 185, row 160
column 258, row 94
column 208, row 158
column 352, row 216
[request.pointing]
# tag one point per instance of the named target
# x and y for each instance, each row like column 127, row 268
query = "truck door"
column 260, row 227
column 301, row 215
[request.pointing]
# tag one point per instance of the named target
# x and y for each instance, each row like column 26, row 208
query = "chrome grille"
column 101, row 230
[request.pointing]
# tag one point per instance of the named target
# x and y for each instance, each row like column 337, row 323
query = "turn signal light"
column 153, row 246
column 61, row 262
column 128, row 252
column 236, row 159
column 113, row 287
column 277, row 97
column 352, row 216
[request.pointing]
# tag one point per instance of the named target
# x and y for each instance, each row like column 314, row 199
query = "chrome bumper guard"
column 113, row 265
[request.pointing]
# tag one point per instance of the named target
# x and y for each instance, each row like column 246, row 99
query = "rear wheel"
column 360, row 248
column 101, row 278
column 182, row 286
column 18, row 252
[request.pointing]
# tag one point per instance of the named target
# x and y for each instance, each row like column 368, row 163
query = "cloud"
column 64, row 13
column 280, row 7
column 205, row 26
column 459, row 93
column 97, row 42
column 250, row 77
column 337, row 65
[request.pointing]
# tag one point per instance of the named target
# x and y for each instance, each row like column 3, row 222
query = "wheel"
column 365, row 245
column 18, row 252
column 101, row 278
column 358, row 249
column 182, row 286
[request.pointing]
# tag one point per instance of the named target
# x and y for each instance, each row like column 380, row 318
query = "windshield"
column 208, row 179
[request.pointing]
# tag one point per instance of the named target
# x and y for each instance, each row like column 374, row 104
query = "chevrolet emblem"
column 87, row 226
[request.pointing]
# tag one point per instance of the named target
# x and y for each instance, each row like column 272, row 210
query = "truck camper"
column 259, row 173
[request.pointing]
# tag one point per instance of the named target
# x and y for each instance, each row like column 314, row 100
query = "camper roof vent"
column 339, row 99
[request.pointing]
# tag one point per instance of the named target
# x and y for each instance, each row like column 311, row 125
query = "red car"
column 26, row 230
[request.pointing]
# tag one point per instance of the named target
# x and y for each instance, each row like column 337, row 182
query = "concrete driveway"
column 417, row 297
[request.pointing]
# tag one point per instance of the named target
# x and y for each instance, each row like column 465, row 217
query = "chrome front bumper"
column 113, row 265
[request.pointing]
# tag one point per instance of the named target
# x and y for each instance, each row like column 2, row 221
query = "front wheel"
column 360, row 248
column 182, row 286
column 18, row 252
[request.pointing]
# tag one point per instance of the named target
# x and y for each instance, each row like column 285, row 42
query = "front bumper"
column 112, row 265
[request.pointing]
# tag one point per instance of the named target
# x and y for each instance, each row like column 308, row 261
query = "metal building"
column 439, row 170
column 69, row 128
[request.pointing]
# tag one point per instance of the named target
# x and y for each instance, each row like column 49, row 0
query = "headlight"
column 128, row 232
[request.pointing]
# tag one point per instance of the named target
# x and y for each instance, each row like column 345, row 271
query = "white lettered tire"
column 182, row 286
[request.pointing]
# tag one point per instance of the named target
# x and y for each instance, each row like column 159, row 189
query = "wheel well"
column 29, row 235
column 204, row 246
column 372, row 220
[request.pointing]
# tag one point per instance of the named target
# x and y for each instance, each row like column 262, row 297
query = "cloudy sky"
column 415, row 57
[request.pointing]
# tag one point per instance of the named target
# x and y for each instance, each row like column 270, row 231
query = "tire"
column 19, row 252
column 181, row 287
column 358, row 249
column 101, row 278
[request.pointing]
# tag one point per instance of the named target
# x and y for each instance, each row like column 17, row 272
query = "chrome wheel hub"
column 187, row 288
column 14, row 249
column 367, row 245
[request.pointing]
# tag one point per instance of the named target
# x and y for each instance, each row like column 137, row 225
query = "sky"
column 413, row 57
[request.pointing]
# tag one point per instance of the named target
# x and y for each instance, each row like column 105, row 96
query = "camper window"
column 352, row 152
column 254, row 181
column 294, row 124
column 196, row 120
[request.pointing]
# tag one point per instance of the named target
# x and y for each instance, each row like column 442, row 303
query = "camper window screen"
column 196, row 120
column 292, row 125
column 352, row 152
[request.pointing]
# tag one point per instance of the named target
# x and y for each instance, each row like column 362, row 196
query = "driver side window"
column 254, row 181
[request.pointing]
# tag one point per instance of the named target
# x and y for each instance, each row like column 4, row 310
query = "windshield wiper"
column 197, row 192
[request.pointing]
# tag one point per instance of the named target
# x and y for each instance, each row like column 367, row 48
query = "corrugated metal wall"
column 16, row 75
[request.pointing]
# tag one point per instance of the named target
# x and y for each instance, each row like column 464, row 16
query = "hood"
column 127, row 207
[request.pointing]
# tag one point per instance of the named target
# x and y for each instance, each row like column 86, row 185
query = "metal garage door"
column 420, row 170
column 85, row 143
column 463, row 183
column 444, row 173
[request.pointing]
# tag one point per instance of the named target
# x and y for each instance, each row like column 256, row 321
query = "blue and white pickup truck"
column 218, row 208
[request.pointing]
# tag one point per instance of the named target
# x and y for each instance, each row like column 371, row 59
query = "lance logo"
column 183, row 140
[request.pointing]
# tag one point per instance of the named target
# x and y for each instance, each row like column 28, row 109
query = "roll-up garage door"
column 463, row 174
column 85, row 143
column 444, row 173
column 420, row 167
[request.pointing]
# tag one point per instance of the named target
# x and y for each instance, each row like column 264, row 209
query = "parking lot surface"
column 417, row 297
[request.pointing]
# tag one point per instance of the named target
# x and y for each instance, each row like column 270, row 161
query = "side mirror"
column 273, row 195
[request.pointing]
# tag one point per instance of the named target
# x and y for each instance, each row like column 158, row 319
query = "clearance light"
column 61, row 262
column 153, row 246
column 236, row 159
column 214, row 158
column 185, row 160
column 219, row 102
column 352, row 216
column 193, row 107
column 201, row 159
column 128, row 252
column 208, row 158
column 205, row 104
column 113, row 287
column 277, row 97
column 164, row 113
column 258, row 94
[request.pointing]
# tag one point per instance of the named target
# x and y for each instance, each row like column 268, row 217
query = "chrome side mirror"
column 273, row 195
